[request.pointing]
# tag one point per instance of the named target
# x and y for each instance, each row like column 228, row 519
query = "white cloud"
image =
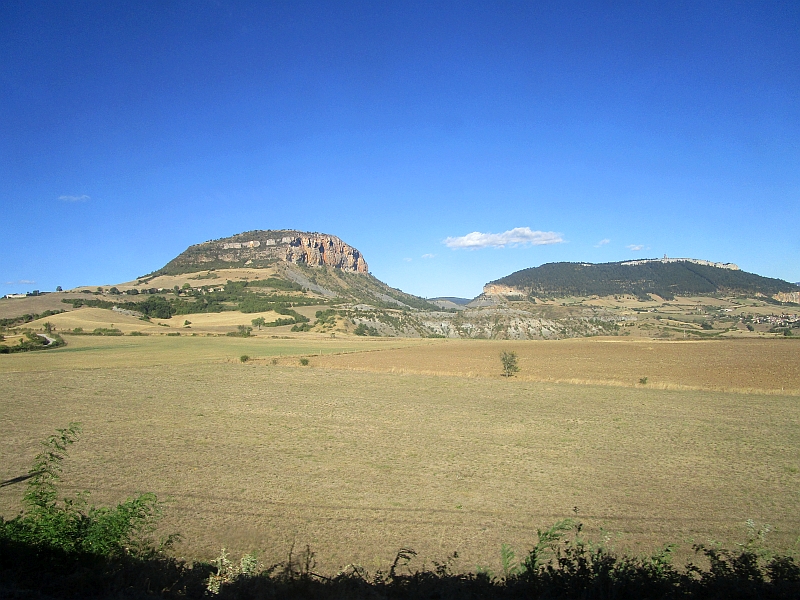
column 81, row 198
column 407, row 259
column 635, row 247
column 517, row 236
column 20, row 282
column 428, row 255
column 602, row 243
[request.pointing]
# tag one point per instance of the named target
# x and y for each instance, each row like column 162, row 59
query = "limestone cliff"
column 318, row 249
column 261, row 248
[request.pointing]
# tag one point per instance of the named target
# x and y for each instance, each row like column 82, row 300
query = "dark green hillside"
column 665, row 279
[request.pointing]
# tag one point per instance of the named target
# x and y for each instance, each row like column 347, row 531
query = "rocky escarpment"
column 262, row 248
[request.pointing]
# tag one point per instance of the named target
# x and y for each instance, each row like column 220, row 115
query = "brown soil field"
column 358, row 464
column 742, row 365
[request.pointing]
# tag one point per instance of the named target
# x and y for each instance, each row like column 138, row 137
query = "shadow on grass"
column 28, row 571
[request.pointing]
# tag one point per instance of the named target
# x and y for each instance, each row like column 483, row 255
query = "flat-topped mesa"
column 260, row 248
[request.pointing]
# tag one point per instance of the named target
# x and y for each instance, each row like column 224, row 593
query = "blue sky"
column 599, row 131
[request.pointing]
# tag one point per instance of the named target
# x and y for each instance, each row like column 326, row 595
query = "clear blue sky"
column 130, row 130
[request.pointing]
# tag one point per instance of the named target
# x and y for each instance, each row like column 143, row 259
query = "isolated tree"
column 48, row 327
column 244, row 330
column 258, row 322
column 58, row 288
column 509, row 362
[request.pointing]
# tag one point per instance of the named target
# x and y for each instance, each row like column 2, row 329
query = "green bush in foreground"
column 72, row 525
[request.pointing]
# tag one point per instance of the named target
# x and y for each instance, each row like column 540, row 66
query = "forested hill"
column 665, row 279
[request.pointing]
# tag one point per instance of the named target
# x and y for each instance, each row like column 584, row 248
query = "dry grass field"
column 744, row 365
column 359, row 461
column 217, row 323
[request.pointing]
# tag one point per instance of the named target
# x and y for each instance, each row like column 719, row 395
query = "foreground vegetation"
column 65, row 548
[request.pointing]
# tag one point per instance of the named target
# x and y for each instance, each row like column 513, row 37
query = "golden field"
column 738, row 365
column 380, row 444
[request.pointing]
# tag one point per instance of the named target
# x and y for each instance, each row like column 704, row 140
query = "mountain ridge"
column 663, row 277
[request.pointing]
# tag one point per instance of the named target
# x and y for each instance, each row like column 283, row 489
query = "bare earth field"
column 440, row 455
column 743, row 365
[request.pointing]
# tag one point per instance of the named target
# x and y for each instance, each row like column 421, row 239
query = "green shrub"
column 244, row 358
column 509, row 362
column 304, row 362
column 241, row 331
column 363, row 330
column 106, row 331
column 72, row 525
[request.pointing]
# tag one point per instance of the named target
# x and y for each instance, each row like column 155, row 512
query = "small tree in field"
column 258, row 322
column 509, row 362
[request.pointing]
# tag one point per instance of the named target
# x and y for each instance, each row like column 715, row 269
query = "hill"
column 307, row 263
column 260, row 248
column 666, row 278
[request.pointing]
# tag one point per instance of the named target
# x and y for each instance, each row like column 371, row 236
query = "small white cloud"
column 407, row 259
column 635, row 247
column 519, row 236
column 428, row 255
column 81, row 198
column 21, row 282
column 602, row 243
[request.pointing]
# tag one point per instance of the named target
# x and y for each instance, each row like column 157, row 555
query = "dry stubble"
column 361, row 464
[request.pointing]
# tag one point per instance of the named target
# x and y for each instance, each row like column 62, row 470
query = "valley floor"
column 440, row 455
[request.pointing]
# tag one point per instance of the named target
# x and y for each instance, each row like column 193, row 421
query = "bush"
column 365, row 330
column 244, row 358
column 106, row 331
column 304, row 362
column 509, row 362
column 71, row 525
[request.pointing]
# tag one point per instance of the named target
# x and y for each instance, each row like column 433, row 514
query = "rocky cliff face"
column 260, row 248
column 318, row 249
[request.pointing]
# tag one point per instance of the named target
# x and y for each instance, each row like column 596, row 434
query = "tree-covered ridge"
column 664, row 279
